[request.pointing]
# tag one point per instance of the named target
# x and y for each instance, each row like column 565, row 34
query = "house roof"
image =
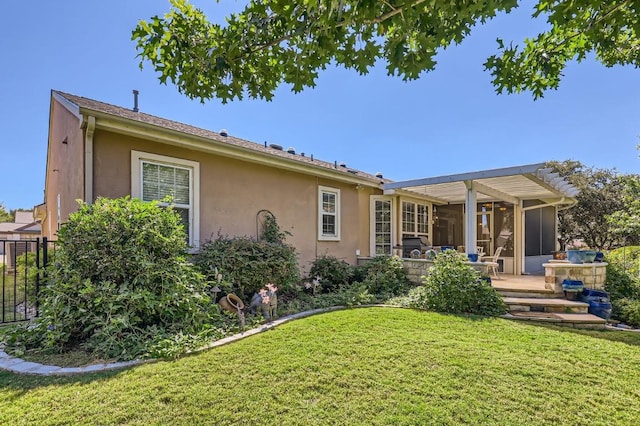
column 23, row 223
column 19, row 228
column 212, row 140
column 509, row 184
column 24, row 217
column 512, row 184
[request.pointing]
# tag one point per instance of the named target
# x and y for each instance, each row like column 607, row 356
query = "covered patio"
column 509, row 211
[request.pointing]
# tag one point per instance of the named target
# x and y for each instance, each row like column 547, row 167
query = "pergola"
column 513, row 185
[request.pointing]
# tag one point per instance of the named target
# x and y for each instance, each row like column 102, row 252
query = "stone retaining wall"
column 592, row 275
column 416, row 268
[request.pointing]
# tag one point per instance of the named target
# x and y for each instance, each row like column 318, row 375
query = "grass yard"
column 361, row 366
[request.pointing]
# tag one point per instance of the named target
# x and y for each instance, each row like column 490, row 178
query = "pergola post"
column 519, row 241
column 470, row 204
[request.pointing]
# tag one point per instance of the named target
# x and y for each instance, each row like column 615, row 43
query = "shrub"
column 623, row 273
column 119, row 283
column 454, row 287
column 271, row 230
column 247, row 265
column 383, row 275
column 333, row 272
column 356, row 294
column 623, row 283
column 628, row 311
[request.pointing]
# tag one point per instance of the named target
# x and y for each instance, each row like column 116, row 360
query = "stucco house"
column 221, row 183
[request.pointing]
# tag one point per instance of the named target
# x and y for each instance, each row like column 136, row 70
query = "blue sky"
column 448, row 121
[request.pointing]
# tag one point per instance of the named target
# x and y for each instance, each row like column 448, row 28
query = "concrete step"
column 566, row 320
column 544, row 305
column 529, row 293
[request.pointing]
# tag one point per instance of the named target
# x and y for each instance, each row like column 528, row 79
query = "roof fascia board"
column 485, row 174
column 70, row 106
column 199, row 143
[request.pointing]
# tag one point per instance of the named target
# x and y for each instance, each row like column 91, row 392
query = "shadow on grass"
column 16, row 385
column 628, row 337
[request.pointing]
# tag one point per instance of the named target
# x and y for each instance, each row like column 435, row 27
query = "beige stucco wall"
column 65, row 167
column 232, row 192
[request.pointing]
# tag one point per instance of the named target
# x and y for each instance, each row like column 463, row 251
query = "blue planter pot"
column 589, row 256
column 599, row 303
column 572, row 285
column 473, row 257
column 575, row 256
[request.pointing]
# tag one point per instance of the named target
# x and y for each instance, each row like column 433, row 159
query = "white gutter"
column 555, row 203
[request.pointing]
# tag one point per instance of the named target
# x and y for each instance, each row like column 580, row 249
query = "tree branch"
column 343, row 23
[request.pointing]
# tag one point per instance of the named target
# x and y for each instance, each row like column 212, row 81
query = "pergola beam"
column 492, row 192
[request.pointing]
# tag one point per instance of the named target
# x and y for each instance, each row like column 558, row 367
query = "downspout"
column 88, row 159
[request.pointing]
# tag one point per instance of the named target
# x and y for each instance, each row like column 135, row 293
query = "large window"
column 158, row 178
column 329, row 214
column 415, row 219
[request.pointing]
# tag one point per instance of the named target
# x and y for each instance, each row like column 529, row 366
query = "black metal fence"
column 22, row 267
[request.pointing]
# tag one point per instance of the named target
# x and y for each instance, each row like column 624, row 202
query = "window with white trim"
column 381, row 226
column 415, row 219
column 329, row 213
column 156, row 177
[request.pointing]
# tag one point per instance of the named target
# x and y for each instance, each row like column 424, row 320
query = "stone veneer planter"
column 593, row 275
column 416, row 268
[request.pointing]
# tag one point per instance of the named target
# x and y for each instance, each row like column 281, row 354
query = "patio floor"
column 519, row 282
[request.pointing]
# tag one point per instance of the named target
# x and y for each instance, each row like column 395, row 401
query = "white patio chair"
column 493, row 266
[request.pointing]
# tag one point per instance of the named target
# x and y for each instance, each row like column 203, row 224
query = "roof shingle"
column 116, row 111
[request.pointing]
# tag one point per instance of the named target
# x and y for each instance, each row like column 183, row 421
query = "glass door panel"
column 382, row 227
column 483, row 229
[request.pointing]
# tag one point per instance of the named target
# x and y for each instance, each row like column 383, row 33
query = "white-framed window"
column 328, row 214
column 155, row 177
column 415, row 219
column 381, row 220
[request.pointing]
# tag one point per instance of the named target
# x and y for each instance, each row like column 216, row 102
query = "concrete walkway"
column 20, row 366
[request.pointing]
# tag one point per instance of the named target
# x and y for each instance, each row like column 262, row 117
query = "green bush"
column 623, row 284
column 248, row 265
column 119, row 283
column 383, row 275
column 352, row 295
column 332, row 272
column 457, row 288
column 628, row 311
column 623, row 271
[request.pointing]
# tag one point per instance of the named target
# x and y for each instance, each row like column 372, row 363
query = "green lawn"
column 360, row 366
